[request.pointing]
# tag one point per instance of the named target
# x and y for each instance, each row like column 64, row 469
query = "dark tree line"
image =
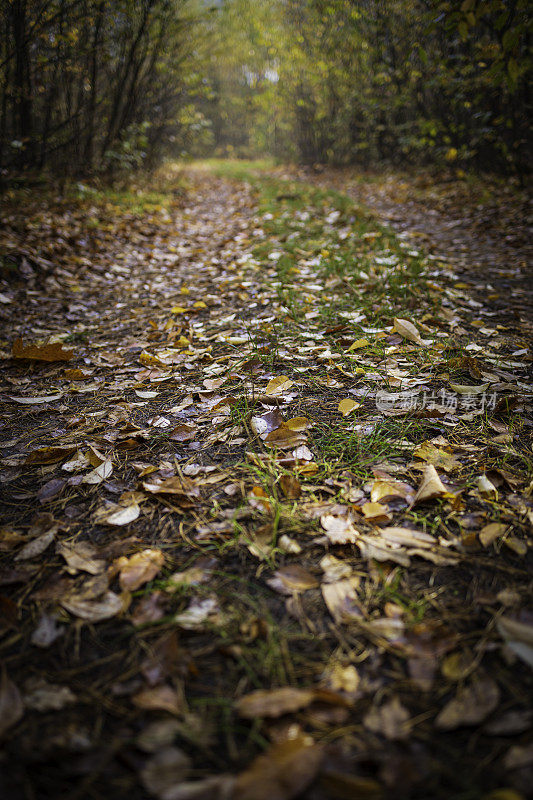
column 89, row 83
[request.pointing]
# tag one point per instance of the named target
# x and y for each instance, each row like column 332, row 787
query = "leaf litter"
column 266, row 448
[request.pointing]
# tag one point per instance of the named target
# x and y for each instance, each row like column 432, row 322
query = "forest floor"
column 267, row 491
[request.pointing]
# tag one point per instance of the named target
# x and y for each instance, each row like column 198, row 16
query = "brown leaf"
column 41, row 352
column 49, row 455
column 165, row 770
column 273, row 702
column 139, row 568
column 341, row 599
column 430, row 487
column 292, row 578
column 81, row 556
column 471, row 705
column 391, row 720
column 283, row 772
column 36, row 546
column 160, row 698
column 109, row 605
column 410, row 332
column 11, row 706
column 491, row 532
column 290, row 486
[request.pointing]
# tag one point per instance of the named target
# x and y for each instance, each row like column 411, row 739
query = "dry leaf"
column 471, row 705
column 160, row 698
column 410, row 332
column 341, row 600
column 377, row 512
column 100, row 474
column 11, row 706
column 281, row 773
column 139, row 568
column 278, row 385
column 273, row 702
column 518, row 637
column 436, row 456
column 109, row 605
column 198, row 612
column 292, row 578
column 81, row 556
column 430, row 487
column 290, row 486
column 41, row 352
column 490, row 533
column 40, row 695
column 348, row 405
column 167, row 769
column 117, row 514
column 391, row 720
column 49, row 455
column 339, row 530
column 36, row 546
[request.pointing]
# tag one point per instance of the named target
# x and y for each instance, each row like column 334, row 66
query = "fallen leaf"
column 164, row 771
column 109, row 605
column 49, row 455
column 388, row 489
column 198, row 612
column 391, row 720
column 183, row 433
column 290, row 486
column 292, row 578
column 339, row 530
column 341, row 600
column 31, row 401
column 347, row 405
column 36, row 546
column 410, row 332
column 41, row 352
column 11, row 705
column 81, row 556
column 139, row 569
column 47, row 631
column 39, row 695
column 100, row 474
column 518, row 637
column 282, row 772
column 278, row 385
column 117, row 514
column 436, row 456
column 377, row 512
column 491, row 532
column 273, row 702
column 471, row 705
column 430, row 487
column 159, row 698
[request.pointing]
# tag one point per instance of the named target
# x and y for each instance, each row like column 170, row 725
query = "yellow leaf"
column 148, row 360
column 278, row 385
column 358, row 344
column 347, row 405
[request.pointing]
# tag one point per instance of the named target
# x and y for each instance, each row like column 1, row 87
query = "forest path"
column 266, row 502
column 481, row 230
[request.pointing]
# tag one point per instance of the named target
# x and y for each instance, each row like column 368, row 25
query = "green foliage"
column 338, row 81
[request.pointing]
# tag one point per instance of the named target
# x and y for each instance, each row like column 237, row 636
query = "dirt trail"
column 485, row 237
column 227, row 570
